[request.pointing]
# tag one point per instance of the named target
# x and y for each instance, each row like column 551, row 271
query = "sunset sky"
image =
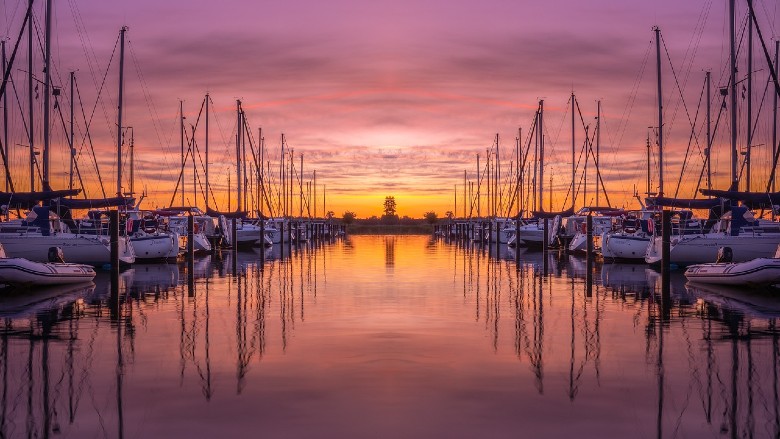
column 390, row 98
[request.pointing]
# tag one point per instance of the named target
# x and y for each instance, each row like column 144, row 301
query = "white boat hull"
column 624, row 246
column 81, row 249
column 760, row 271
column 19, row 271
column 702, row 249
column 154, row 246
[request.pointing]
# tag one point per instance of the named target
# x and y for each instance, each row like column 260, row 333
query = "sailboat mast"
column 208, row 192
column 132, row 161
column 71, row 134
column 300, row 189
column 733, row 92
column 47, row 97
column 774, row 113
column 5, row 116
column 573, row 164
column 709, row 132
column 181, row 134
column 479, row 184
column 31, row 138
column 598, row 148
column 660, row 113
column 238, row 152
column 541, row 154
column 119, row 113
column 283, row 191
column 496, row 192
column 749, row 130
column 647, row 192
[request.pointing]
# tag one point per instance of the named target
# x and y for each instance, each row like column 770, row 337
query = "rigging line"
column 690, row 138
column 589, row 148
column 75, row 163
column 628, row 109
column 88, row 123
column 88, row 136
column 151, row 107
column 682, row 98
column 7, row 73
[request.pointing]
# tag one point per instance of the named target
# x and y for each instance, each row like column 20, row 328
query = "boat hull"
column 81, row 249
column 702, row 249
column 19, row 271
column 759, row 272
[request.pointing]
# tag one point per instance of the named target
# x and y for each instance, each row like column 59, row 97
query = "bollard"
column 190, row 236
column 589, row 255
column 113, row 231
column 666, row 234
column 262, row 242
column 589, row 236
column 517, row 242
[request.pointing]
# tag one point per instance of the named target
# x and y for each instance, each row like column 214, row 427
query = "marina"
column 389, row 219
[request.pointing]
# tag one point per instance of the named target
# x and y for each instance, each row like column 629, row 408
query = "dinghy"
column 20, row 271
column 756, row 272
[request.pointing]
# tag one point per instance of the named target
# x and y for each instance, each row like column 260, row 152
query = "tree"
column 389, row 206
column 349, row 217
column 330, row 215
column 431, row 217
column 449, row 215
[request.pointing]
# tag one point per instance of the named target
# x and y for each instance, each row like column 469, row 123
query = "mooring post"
column 517, row 242
column 113, row 231
column 589, row 255
column 234, row 242
column 262, row 241
column 666, row 234
column 190, row 235
column 545, row 239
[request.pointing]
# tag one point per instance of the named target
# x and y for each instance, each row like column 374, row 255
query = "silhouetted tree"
column 449, row 215
column 390, row 206
column 431, row 217
column 390, row 216
column 349, row 217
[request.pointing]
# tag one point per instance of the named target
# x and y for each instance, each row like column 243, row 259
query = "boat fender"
column 56, row 255
column 725, row 254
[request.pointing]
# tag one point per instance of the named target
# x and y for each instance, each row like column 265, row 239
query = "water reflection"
column 389, row 337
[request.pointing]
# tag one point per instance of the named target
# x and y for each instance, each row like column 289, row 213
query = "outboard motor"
column 56, row 255
column 725, row 255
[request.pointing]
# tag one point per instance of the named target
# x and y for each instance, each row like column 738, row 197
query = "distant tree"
column 390, row 206
column 348, row 217
column 449, row 214
column 390, row 216
column 330, row 214
column 431, row 217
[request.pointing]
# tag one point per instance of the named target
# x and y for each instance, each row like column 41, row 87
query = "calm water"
column 389, row 337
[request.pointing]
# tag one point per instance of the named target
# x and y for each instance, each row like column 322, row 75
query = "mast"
column 647, row 192
column 496, row 192
column 31, row 137
column 733, row 92
column 489, row 183
column 708, row 150
column 660, row 113
column 71, row 138
column 181, row 133
column 465, row 198
column 774, row 114
column 479, row 185
column 573, row 164
column 300, row 189
column 749, row 130
column 238, row 152
column 5, row 116
column 132, row 162
column 315, row 193
column 208, row 98
column 540, row 182
column 47, row 98
column 119, row 113
column 598, row 148
column 283, row 204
